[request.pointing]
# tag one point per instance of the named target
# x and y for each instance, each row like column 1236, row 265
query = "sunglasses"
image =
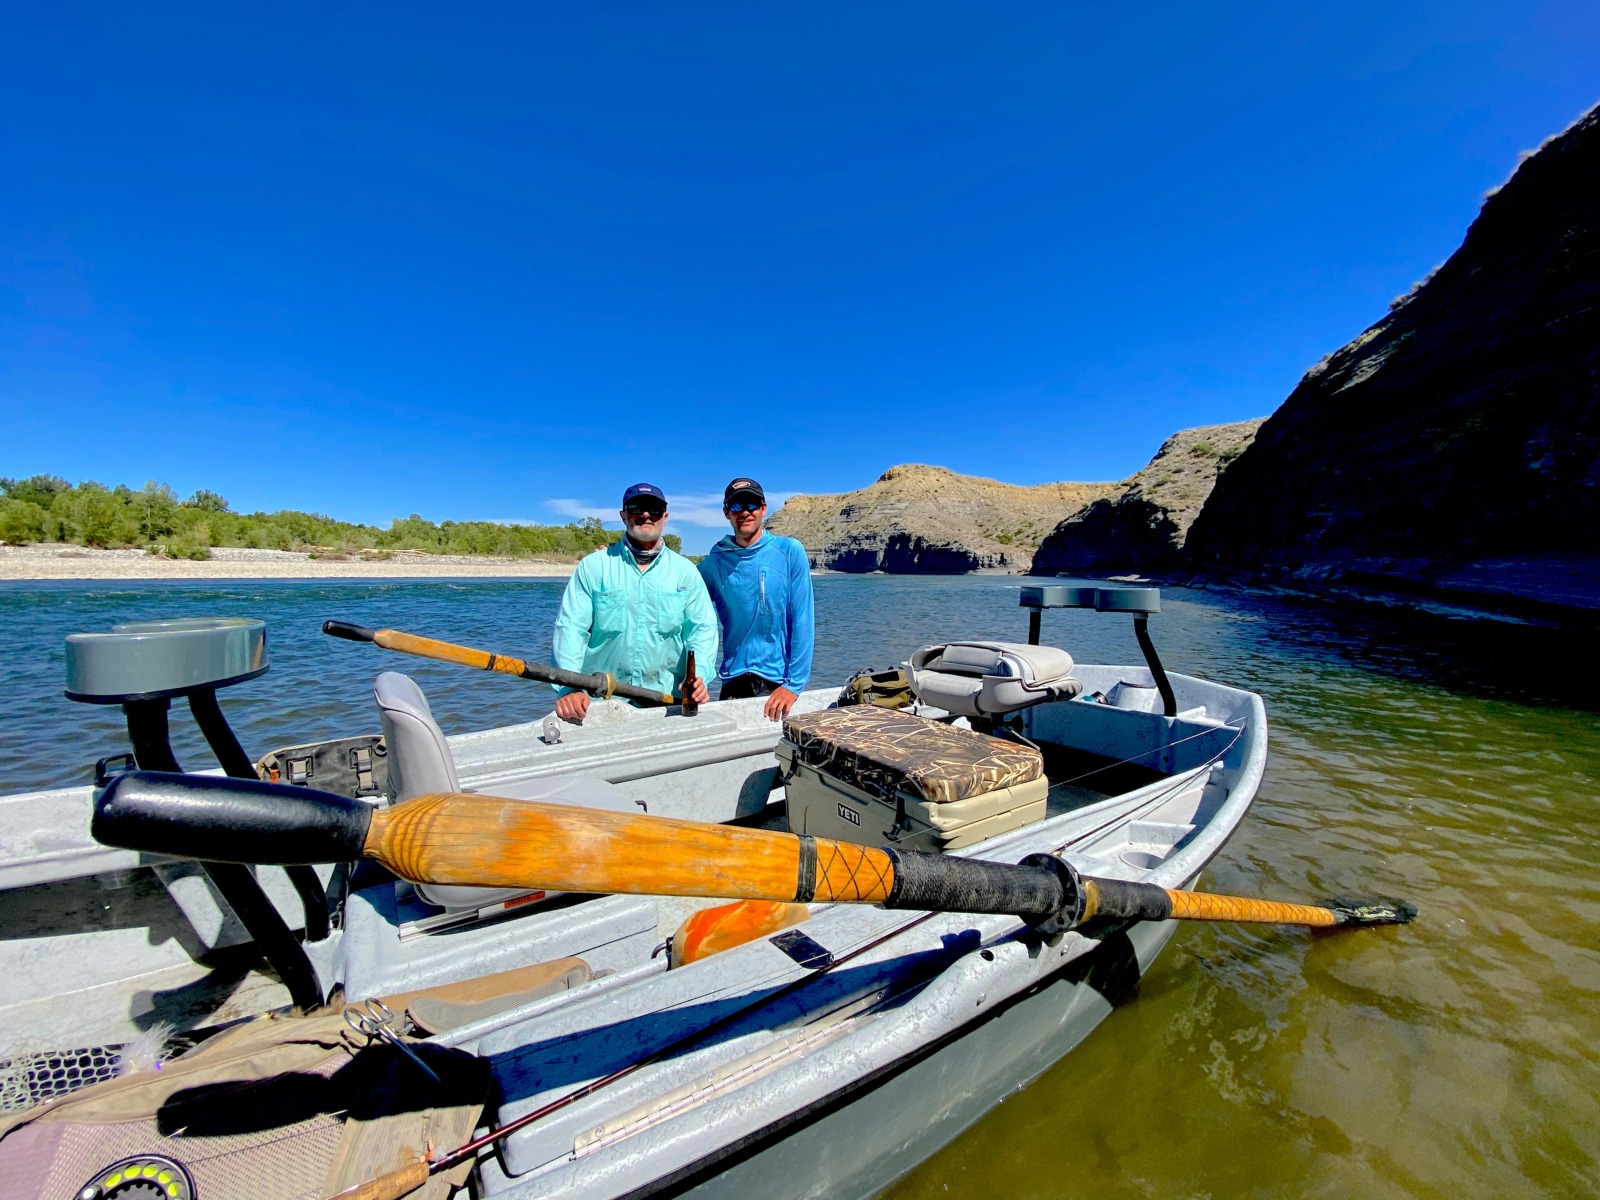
column 644, row 510
column 743, row 508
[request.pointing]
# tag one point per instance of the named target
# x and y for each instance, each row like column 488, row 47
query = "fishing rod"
column 601, row 684
column 407, row 1178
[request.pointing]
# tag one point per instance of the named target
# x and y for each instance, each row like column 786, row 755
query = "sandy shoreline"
column 228, row 562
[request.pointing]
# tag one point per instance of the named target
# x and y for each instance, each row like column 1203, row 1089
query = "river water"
column 1455, row 765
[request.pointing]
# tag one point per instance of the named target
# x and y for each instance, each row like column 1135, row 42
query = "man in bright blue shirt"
column 634, row 610
column 760, row 584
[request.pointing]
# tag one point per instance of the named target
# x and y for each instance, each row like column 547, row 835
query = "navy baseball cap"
column 643, row 489
column 743, row 487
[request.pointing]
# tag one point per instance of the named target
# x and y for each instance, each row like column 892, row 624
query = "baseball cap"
column 743, row 487
column 644, row 489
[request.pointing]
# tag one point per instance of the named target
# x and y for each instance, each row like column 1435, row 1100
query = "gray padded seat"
column 990, row 679
column 420, row 762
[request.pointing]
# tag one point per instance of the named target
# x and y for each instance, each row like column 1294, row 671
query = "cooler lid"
column 882, row 751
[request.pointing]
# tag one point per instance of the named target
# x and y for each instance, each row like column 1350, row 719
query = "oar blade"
column 1372, row 912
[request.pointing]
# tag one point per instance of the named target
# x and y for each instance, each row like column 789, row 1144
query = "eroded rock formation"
column 928, row 520
column 1143, row 528
column 1454, row 447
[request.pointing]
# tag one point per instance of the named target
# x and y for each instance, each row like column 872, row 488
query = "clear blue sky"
column 496, row 262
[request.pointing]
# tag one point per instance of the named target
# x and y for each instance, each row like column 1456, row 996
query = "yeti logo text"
column 849, row 814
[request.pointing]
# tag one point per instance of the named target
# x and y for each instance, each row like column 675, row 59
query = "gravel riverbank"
column 48, row 561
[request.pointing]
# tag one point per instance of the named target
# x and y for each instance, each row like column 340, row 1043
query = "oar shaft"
column 1126, row 900
column 599, row 684
column 450, row 838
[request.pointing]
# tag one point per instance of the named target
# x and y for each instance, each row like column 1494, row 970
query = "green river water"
column 1455, row 765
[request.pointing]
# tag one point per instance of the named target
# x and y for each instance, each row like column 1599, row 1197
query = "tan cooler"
column 880, row 777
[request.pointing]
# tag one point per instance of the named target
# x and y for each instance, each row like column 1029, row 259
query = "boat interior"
column 1124, row 764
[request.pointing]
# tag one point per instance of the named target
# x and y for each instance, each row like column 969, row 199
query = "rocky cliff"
column 927, row 520
column 1143, row 527
column 1454, row 447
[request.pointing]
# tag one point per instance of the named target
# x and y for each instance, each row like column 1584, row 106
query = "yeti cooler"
column 877, row 777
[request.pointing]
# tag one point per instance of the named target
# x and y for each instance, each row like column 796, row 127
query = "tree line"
column 46, row 508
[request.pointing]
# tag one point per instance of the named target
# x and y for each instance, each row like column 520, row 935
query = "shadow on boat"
column 563, row 1062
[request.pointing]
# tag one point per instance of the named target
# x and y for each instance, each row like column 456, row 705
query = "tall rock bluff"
column 1453, row 449
column 930, row 521
column 1144, row 526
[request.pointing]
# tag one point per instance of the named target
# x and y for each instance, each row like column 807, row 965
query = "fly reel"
column 142, row 1177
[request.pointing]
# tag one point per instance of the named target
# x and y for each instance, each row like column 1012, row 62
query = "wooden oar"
column 600, row 684
column 484, row 841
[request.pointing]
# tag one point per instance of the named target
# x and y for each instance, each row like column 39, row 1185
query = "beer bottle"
column 691, row 706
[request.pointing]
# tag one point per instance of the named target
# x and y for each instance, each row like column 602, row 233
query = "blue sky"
column 500, row 261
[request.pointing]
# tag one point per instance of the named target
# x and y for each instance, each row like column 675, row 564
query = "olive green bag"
column 883, row 689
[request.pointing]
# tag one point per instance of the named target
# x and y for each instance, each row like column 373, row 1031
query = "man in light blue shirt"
column 635, row 610
column 761, row 586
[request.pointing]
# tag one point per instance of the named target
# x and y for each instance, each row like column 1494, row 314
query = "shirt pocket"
column 669, row 610
column 610, row 613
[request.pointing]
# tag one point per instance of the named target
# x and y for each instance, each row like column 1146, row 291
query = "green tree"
column 155, row 507
column 36, row 489
column 206, row 501
column 92, row 515
column 22, row 521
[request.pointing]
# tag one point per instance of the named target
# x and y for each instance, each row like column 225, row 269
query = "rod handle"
column 395, row 1184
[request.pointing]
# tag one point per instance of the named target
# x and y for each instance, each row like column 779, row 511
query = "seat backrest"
column 419, row 757
column 987, row 679
column 420, row 762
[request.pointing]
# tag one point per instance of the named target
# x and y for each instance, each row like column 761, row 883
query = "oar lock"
column 1074, row 899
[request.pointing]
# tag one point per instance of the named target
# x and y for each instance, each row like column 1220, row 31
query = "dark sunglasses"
column 644, row 510
column 742, row 508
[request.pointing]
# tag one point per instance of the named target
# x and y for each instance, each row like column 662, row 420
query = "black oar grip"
column 229, row 820
column 349, row 631
column 1035, row 892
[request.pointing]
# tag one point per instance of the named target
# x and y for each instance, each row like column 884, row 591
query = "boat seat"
column 420, row 762
column 991, row 679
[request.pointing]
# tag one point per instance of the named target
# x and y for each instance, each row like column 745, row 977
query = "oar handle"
column 599, row 684
column 349, row 631
column 219, row 819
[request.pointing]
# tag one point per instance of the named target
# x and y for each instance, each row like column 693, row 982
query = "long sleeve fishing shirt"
column 762, row 593
column 637, row 625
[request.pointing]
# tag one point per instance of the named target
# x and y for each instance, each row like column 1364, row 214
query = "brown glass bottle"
column 691, row 706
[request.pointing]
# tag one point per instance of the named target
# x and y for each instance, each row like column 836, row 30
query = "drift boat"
column 643, row 1047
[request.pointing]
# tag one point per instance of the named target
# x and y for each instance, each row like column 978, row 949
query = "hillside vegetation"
column 46, row 508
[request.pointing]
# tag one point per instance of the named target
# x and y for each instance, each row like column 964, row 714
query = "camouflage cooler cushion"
column 882, row 752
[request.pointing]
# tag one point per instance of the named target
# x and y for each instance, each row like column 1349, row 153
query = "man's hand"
column 779, row 703
column 698, row 692
column 574, row 706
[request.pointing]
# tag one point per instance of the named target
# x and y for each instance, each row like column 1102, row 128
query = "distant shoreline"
column 56, row 561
